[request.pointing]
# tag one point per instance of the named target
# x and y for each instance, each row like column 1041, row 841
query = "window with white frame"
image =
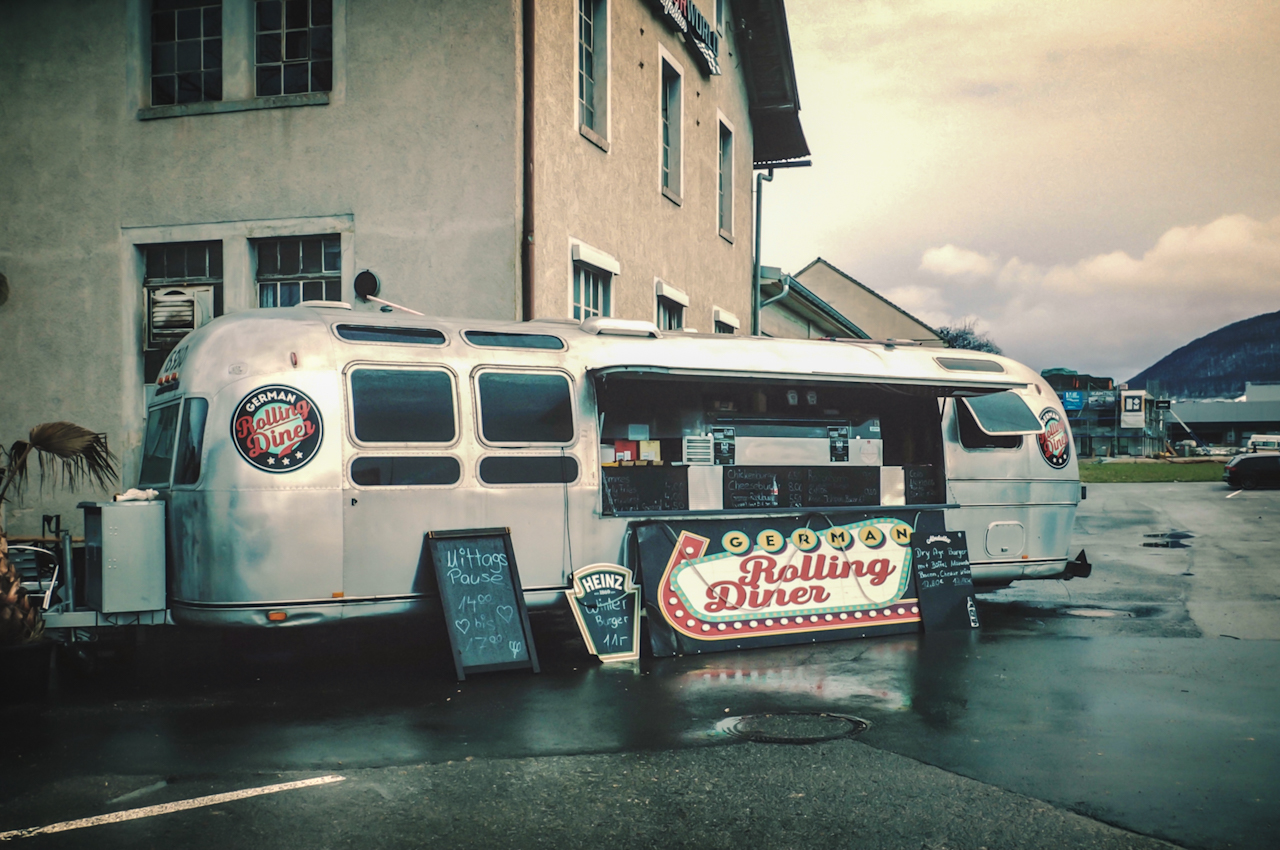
column 725, row 322
column 294, row 269
column 672, row 117
column 725, row 205
column 186, row 51
column 182, row 284
column 593, row 69
column 293, row 46
column 670, row 306
column 591, row 294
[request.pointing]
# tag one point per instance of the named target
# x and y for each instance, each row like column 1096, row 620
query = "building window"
column 186, row 51
column 297, row 269
column 182, row 282
column 671, row 304
column 593, row 67
column 670, row 314
column 725, row 209
column 672, row 113
column 719, row 11
column 294, row 46
column 590, row 291
column 725, row 322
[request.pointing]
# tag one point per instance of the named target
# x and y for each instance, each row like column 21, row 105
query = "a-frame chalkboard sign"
column 483, row 603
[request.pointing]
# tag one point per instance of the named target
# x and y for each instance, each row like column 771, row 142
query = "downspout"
column 755, row 278
column 526, row 237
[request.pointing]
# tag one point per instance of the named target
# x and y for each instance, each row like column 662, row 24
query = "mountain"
column 1218, row 364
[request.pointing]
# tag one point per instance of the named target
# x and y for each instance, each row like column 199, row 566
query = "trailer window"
column 157, row 447
column 402, row 406
column 405, row 471
column 493, row 339
column 528, row 470
column 410, row 336
column 1003, row 414
column 186, row 469
column 525, row 408
column 973, row 437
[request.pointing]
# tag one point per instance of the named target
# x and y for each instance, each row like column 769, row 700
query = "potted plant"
column 74, row 454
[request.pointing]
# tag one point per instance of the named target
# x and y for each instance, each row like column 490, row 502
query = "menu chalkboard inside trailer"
column 922, row 485
column 645, row 489
column 943, row 580
column 483, row 603
column 800, row 486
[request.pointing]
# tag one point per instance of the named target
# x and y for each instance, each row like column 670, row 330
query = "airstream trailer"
column 304, row 452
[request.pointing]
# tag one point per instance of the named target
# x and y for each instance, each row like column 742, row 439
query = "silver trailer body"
column 304, row 452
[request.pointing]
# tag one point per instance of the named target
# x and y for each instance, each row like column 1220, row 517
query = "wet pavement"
column 1144, row 697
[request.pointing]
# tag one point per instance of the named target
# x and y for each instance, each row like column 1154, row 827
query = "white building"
column 167, row 161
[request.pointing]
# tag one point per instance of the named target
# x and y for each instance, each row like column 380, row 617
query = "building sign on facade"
column 1132, row 414
column 277, row 429
column 685, row 18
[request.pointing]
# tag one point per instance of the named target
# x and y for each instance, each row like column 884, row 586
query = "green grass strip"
column 1144, row 473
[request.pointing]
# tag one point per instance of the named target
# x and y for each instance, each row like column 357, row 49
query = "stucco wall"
column 613, row 200
column 418, row 152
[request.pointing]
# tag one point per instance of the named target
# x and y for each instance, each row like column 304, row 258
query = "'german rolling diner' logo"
column 1055, row 442
column 277, row 429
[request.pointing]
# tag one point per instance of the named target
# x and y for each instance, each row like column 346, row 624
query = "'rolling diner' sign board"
column 484, row 610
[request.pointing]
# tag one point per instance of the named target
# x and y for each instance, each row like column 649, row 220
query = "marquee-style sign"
column 1055, row 442
column 841, row 577
column 277, row 429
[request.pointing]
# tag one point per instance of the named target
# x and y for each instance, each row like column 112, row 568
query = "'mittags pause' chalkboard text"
column 484, row 610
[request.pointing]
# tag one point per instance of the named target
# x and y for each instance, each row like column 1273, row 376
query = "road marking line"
column 167, row 808
column 1236, row 493
column 141, row 792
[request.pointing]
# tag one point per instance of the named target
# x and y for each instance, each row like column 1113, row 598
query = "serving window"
column 693, row 443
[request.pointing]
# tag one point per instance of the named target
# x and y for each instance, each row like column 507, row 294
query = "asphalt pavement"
column 1129, row 709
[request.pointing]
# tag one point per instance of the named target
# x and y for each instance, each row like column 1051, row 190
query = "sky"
column 1091, row 184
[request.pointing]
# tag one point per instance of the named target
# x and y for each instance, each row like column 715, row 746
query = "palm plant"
column 75, row 455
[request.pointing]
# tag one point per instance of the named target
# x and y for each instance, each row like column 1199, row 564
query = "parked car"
column 1261, row 469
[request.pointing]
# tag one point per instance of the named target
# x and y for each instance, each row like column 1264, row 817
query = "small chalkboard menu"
column 921, row 482
column 645, row 489
column 606, row 604
column 943, row 580
column 484, row 610
column 800, row 486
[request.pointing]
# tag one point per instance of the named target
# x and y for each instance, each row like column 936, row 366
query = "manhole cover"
column 1095, row 612
column 793, row 727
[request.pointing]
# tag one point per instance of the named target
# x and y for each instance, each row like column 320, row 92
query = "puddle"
column 792, row 727
column 1166, row 544
column 1095, row 612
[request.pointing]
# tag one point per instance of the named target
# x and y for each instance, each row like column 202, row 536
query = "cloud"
column 1112, row 314
column 951, row 261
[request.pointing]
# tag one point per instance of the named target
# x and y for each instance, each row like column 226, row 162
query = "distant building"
column 791, row 311
column 875, row 315
column 1230, row 423
column 1106, row 421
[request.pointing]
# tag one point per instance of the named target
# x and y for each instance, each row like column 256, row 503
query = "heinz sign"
column 809, row 580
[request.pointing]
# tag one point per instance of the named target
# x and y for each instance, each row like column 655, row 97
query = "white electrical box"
column 124, row 556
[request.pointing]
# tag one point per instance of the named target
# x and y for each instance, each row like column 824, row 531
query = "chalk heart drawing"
column 506, row 612
column 463, row 626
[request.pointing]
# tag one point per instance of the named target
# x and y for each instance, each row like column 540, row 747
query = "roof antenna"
column 367, row 286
